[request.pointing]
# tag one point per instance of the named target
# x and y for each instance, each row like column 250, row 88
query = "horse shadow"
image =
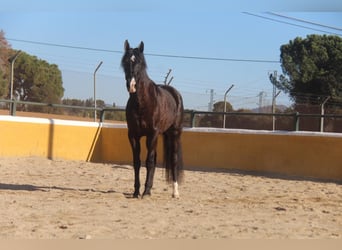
column 263, row 174
column 33, row 188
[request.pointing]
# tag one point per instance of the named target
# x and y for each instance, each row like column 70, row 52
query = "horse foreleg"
column 135, row 144
column 151, row 144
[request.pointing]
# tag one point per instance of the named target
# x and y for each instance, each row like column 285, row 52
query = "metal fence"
column 14, row 104
column 267, row 121
column 240, row 120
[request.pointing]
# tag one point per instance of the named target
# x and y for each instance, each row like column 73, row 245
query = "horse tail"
column 180, row 166
column 173, row 157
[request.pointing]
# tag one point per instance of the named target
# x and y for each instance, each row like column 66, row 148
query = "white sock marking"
column 175, row 190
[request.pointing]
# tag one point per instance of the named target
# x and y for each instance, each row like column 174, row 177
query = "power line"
column 148, row 54
column 215, row 58
column 304, row 21
column 292, row 24
column 63, row 45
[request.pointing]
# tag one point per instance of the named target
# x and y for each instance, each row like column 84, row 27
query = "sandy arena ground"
column 44, row 199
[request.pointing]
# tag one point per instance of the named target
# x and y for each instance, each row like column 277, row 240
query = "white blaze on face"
column 132, row 84
column 175, row 190
column 133, row 58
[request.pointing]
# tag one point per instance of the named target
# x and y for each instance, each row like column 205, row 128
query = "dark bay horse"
column 152, row 110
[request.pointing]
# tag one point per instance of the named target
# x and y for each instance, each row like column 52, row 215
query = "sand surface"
column 44, row 199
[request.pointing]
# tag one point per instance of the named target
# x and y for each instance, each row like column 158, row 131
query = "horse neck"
column 145, row 89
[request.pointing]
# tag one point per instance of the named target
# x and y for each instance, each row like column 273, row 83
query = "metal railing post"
column 225, row 105
column 192, row 118
column 13, row 106
column 296, row 118
column 102, row 115
column 98, row 66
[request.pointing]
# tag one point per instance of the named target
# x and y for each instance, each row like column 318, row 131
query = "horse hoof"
column 136, row 195
column 176, row 196
column 146, row 194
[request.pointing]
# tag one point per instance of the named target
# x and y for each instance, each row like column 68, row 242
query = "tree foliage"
column 36, row 80
column 215, row 120
column 5, row 50
column 219, row 107
column 311, row 67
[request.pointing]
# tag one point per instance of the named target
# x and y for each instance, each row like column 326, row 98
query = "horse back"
column 175, row 94
column 177, row 99
column 161, row 109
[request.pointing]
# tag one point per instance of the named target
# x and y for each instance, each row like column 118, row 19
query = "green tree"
column 215, row 120
column 36, row 80
column 3, row 89
column 5, row 50
column 311, row 67
column 219, row 107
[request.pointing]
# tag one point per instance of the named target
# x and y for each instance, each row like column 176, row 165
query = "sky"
column 209, row 45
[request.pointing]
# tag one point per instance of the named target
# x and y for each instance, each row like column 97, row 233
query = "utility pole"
column 225, row 105
column 261, row 96
column 322, row 113
column 98, row 66
column 12, row 60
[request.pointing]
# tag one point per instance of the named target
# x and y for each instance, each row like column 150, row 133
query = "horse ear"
column 127, row 47
column 141, row 47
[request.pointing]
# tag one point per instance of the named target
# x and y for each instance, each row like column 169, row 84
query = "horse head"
column 133, row 62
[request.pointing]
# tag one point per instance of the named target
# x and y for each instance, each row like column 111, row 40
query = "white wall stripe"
column 9, row 118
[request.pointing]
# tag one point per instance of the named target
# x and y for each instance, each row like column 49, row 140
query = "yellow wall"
column 298, row 154
column 43, row 137
column 283, row 153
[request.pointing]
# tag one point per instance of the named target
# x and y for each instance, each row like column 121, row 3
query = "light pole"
column 12, row 60
column 322, row 113
column 274, row 108
column 98, row 66
column 225, row 106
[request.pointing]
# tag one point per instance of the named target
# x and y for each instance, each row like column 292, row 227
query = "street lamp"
column 225, row 106
column 98, row 66
column 12, row 60
column 274, row 107
column 322, row 113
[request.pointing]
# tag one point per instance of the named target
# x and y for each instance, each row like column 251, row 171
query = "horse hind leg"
column 174, row 164
column 176, row 168
column 175, row 193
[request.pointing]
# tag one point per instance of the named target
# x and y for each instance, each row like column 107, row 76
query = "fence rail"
column 192, row 113
column 296, row 116
column 13, row 105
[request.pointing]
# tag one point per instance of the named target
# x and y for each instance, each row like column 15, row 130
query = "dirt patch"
column 41, row 198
